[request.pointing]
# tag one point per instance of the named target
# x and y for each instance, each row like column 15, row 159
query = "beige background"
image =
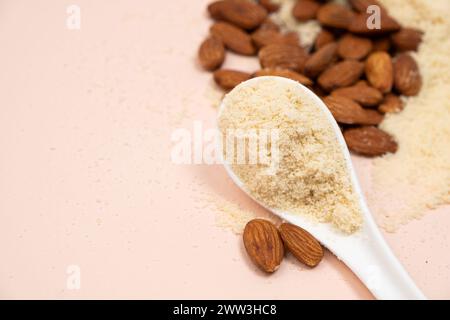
column 86, row 177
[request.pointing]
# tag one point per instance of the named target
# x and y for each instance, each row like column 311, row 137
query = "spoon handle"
column 368, row 255
column 371, row 259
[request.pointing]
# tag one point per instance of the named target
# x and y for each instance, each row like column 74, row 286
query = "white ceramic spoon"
column 365, row 252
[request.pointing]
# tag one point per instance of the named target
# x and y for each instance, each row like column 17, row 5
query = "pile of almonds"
column 265, row 244
column 360, row 73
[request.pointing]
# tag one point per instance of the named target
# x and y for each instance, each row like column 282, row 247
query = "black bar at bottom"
column 225, row 309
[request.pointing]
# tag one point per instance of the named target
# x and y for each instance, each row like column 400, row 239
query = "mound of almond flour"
column 312, row 178
column 417, row 177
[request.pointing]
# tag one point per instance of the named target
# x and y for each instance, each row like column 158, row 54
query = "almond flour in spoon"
column 311, row 178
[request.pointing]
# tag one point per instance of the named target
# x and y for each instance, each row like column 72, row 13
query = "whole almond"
column 283, row 56
column 408, row 80
column 335, row 15
column 211, row 53
column 369, row 141
column 269, row 24
column 379, row 71
column 320, row 60
column 263, row 244
column 305, row 10
column 215, row 9
column 263, row 37
column 372, row 117
column 342, row 74
column 362, row 5
column 354, row 47
column 407, row 39
column 362, row 83
column 228, row 79
column 244, row 14
column 323, row 38
column 381, row 44
column 285, row 73
column 301, row 244
column 233, row 38
column 391, row 104
column 365, row 95
column 347, row 111
column 269, row 5
column 358, row 25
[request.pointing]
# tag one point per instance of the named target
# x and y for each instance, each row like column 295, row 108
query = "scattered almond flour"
column 417, row 177
column 213, row 95
column 312, row 177
column 232, row 216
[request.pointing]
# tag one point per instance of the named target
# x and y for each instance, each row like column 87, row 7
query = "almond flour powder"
column 311, row 178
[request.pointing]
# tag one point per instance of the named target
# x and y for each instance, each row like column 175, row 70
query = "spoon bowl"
column 365, row 252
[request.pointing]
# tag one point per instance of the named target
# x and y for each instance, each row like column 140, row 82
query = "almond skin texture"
column 362, row 83
column 379, row 71
column 269, row 24
column 381, row 44
column 269, row 5
column 323, row 38
column 363, row 94
column 358, row 25
column 215, row 9
column 285, row 73
column 305, row 10
column 342, row 74
column 361, row 5
column 369, row 141
column 211, row 53
column 233, row 38
column 263, row 244
column 263, row 37
column 353, row 47
column 320, row 60
column 347, row 111
column 335, row 15
column 372, row 117
column 408, row 80
column 391, row 104
column 283, row 56
column 319, row 91
column 407, row 39
column 228, row 79
column 301, row 244
column 244, row 14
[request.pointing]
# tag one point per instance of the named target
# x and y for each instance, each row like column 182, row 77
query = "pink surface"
column 86, row 177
